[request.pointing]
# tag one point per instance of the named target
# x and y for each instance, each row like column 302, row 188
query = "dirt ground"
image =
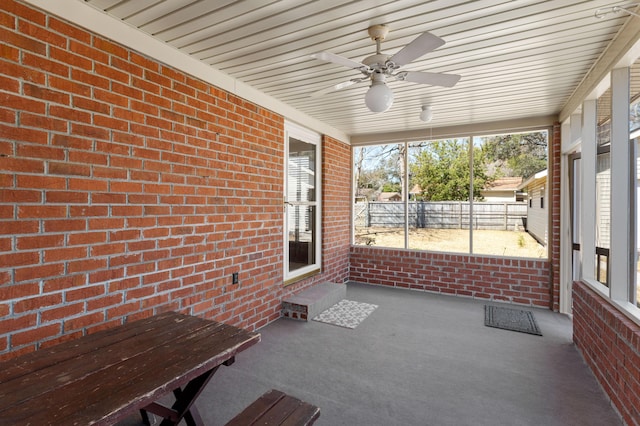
column 501, row 243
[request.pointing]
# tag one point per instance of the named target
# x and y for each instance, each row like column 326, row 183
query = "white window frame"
column 294, row 130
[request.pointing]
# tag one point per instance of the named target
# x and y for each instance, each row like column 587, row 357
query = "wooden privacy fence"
column 443, row 215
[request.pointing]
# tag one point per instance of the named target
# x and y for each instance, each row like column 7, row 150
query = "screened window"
column 461, row 195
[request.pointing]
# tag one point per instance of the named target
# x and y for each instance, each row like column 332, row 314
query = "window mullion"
column 588, row 195
column 405, row 191
column 471, row 141
column 621, row 229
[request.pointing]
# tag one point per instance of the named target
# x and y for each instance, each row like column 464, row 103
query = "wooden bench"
column 277, row 408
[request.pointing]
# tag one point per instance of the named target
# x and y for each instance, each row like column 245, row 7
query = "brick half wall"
column 610, row 344
column 518, row 281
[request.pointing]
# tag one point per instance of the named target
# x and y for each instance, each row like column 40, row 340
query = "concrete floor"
column 419, row 359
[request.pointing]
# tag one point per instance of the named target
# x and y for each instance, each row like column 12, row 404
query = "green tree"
column 520, row 154
column 391, row 187
column 441, row 169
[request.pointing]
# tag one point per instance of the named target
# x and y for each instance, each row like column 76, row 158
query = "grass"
column 489, row 242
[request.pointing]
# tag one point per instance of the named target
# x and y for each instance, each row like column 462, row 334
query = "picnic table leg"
column 145, row 417
column 185, row 399
column 183, row 406
column 192, row 416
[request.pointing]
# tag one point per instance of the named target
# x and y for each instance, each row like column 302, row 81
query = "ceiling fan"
column 379, row 67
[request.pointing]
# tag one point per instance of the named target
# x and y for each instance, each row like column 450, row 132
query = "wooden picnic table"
column 103, row 377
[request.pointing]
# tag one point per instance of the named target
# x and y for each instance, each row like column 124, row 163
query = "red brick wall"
column 336, row 209
column 129, row 188
column 521, row 281
column 610, row 344
column 553, row 175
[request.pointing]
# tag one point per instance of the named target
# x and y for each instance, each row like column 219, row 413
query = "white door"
column 301, row 203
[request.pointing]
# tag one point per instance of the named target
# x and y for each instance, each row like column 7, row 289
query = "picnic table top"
column 103, row 377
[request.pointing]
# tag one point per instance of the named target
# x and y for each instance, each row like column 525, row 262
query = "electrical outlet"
column 234, row 278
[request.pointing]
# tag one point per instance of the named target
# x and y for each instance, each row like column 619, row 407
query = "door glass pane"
column 301, row 236
column 379, row 199
column 575, row 206
column 603, row 216
column 301, row 209
column 603, row 187
column 576, row 189
column 302, row 175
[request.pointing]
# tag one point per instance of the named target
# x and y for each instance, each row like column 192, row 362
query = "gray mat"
column 346, row 313
column 511, row 319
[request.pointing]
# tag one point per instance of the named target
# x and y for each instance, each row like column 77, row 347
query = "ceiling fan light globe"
column 426, row 114
column 379, row 97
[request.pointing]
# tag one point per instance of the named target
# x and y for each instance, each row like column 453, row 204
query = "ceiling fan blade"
column 432, row 78
column 338, row 86
column 426, row 42
column 340, row 60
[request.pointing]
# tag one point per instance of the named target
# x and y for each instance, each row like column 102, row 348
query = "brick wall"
column 521, row 281
column 610, row 344
column 336, row 209
column 129, row 188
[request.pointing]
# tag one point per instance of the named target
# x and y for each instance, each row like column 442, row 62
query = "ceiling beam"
column 478, row 129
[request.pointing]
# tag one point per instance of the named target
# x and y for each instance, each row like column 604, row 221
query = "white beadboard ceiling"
column 518, row 59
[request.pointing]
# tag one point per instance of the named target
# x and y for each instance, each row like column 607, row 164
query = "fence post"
column 506, row 216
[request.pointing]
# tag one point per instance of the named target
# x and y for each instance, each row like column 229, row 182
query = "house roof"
column 523, row 64
column 541, row 175
column 388, row 195
column 504, row 184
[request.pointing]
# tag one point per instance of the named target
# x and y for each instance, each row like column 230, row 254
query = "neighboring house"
column 390, row 196
column 537, row 208
column 503, row 189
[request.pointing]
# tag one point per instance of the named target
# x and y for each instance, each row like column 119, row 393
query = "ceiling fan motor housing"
column 378, row 32
column 377, row 61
